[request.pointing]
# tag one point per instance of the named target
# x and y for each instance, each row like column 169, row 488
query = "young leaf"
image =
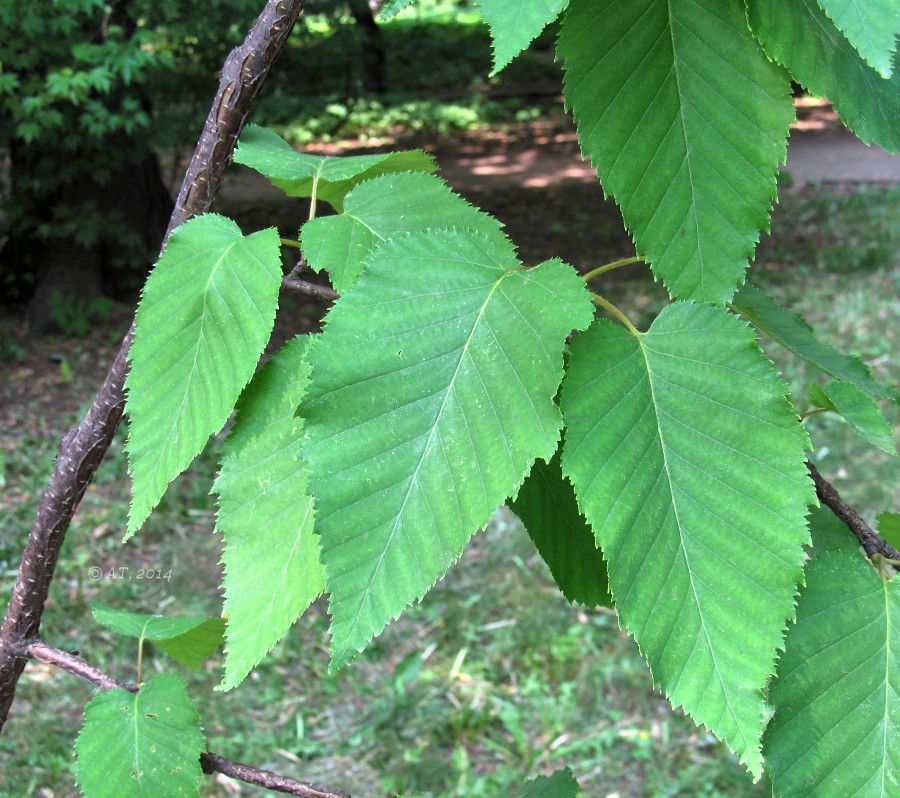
column 686, row 121
column 795, row 335
column 798, row 34
column 871, row 26
column 329, row 179
column 150, row 627
column 381, row 209
column 203, row 321
column 271, row 557
column 192, row 648
column 431, row 395
column 889, row 528
column 516, row 23
column 860, row 411
column 837, row 693
column 393, row 7
column 137, row 744
column 546, row 506
column 561, row 784
column 188, row 640
column 688, row 462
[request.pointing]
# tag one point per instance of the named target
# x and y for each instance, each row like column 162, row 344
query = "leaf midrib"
column 200, row 336
column 681, row 542
column 687, row 149
column 425, row 449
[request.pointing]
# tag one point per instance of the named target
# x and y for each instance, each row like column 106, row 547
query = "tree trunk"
column 61, row 276
column 372, row 50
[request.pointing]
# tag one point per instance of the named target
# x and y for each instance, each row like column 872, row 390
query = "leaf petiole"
column 610, row 308
column 312, row 199
column 287, row 242
column 608, row 267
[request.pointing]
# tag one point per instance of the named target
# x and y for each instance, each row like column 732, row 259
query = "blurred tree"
column 363, row 13
column 84, row 206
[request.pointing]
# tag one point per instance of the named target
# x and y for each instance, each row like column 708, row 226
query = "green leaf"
column 204, row 319
column 829, row 533
column 329, row 179
column 798, row 34
column 818, row 398
column 188, row 640
column 561, row 784
column 795, row 335
column 871, row 26
column 546, row 506
column 133, row 745
column 861, row 412
column 686, row 121
column 272, row 568
column 381, row 209
column 149, row 627
column 689, row 463
column 837, row 694
column 889, row 528
column 431, row 395
column 393, row 7
column 515, row 24
column 192, row 648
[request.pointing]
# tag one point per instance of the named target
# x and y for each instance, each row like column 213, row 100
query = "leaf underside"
column 330, row 178
column 861, row 412
column 204, row 319
column 135, row 624
column 689, row 464
column 799, row 35
column 515, row 24
column 188, row 640
column 836, row 727
column 192, row 648
column 547, row 507
column 381, row 209
column 271, row 555
column 431, row 395
column 794, row 334
column 136, row 745
column 686, row 121
column 871, row 26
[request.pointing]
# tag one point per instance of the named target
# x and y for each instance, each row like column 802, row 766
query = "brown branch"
column 72, row 663
column 297, row 286
column 210, row 762
column 293, row 283
column 266, row 778
column 83, row 448
column 871, row 541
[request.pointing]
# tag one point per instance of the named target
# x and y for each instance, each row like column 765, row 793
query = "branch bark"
column 293, row 283
column 72, row 663
column 871, row 541
column 213, row 763
column 210, row 762
column 82, row 449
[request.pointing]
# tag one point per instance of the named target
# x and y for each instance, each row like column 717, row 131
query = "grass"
column 493, row 677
